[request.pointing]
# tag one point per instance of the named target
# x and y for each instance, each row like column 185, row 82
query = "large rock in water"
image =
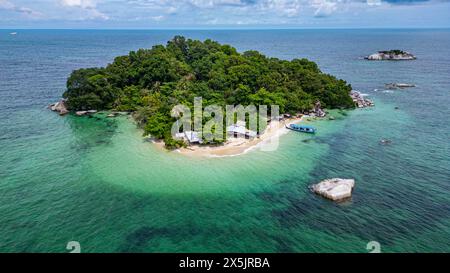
column 59, row 107
column 391, row 55
column 335, row 189
column 392, row 86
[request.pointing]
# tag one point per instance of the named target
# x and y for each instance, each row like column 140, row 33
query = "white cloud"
column 171, row 10
column 158, row 18
column 144, row 13
column 89, row 6
column 7, row 5
column 288, row 8
column 324, row 8
column 84, row 4
column 214, row 3
column 374, row 2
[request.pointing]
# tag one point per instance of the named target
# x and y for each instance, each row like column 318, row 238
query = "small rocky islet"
column 336, row 189
column 391, row 55
column 395, row 86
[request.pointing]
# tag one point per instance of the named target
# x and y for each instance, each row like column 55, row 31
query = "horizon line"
column 236, row 28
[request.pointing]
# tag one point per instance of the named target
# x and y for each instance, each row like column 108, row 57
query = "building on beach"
column 239, row 129
column 192, row 137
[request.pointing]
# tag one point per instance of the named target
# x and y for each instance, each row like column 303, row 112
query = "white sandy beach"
column 238, row 146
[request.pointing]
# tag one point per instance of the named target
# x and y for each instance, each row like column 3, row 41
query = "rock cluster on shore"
column 359, row 100
column 393, row 86
column 335, row 189
column 318, row 111
column 391, row 55
column 59, row 107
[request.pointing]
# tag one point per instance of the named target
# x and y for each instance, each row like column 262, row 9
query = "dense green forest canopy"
column 150, row 82
column 394, row 51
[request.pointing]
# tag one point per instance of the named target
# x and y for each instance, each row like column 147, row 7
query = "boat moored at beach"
column 302, row 128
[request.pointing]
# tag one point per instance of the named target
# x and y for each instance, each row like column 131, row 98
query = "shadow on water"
column 142, row 238
column 368, row 218
column 318, row 140
column 383, row 207
column 150, row 239
column 91, row 131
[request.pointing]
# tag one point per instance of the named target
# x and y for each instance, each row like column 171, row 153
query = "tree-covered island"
column 150, row 82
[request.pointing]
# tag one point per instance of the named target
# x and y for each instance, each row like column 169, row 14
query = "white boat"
column 13, row 33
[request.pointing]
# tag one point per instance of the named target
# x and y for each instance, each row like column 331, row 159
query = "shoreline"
column 237, row 146
column 232, row 147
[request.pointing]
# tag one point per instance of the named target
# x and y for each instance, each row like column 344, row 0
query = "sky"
column 205, row 14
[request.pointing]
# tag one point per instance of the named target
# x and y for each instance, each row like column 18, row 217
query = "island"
column 393, row 86
column 148, row 83
column 391, row 55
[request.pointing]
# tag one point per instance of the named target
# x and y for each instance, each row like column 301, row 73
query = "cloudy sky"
column 223, row 13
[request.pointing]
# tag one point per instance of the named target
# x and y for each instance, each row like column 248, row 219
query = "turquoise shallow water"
column 98, row 182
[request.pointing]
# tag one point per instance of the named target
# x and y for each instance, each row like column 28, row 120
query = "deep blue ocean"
column 97, row 182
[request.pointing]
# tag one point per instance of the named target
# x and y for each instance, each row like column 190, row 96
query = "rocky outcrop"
column 59, row 107
column 335, row 189
column 85, row 113
column 318, row 111
column 393, row 86
column 391, row 55
column 116, row 114
column 385, row 141
column 359, row 99
column 81, row 113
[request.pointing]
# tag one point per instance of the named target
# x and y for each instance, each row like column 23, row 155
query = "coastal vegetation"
column 150, row 82
column 393, row 52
